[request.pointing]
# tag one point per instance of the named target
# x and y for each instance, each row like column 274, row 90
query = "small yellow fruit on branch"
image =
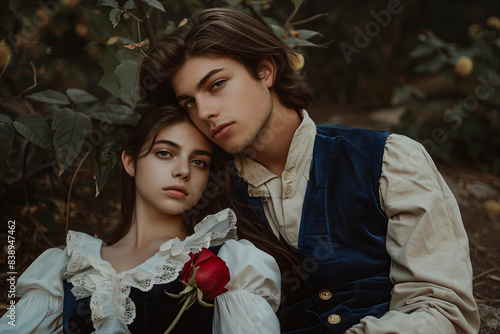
column 463, row 66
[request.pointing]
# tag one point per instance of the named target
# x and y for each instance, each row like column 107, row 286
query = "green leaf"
column 422, row 50
column 35, row 129
column 80, row 96
column 156, row 4
column 406, row 93
column 115, row 114
column 431, row 66
column 307, row 34
column 292, row 42
column 109, row 62
column 100, row 26
column 5, row 119
column 126, row 73
column 110, row 3
column 51, row 108
column 105, row 157
column 296, row 2
column 6, row 139
column 278, row 30
column 70, row 129
column 127, row 54
column 115, row 15
column 50, row 96
column 129, row 5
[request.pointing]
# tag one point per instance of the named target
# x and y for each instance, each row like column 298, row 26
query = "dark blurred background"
column 427, row 69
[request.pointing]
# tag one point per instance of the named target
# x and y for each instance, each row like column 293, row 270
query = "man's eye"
column 164, row 154
column 189, row 104
column 218, row 84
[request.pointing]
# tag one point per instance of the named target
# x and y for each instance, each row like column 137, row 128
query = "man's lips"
column 176, row 191
column 221, row 130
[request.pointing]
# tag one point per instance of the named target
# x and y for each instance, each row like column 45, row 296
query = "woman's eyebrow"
column 177, row 146
column 202, row 152
column 167, row 142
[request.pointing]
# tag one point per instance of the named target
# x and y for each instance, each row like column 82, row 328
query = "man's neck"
column 273, row 143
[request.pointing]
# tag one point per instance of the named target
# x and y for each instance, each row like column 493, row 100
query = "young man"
column 382, row 243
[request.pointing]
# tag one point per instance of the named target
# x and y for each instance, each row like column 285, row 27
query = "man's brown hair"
column 222, row 32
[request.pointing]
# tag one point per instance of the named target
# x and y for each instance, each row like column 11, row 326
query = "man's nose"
column 206, row 109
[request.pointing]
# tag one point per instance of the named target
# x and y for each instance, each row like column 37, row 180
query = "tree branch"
column 248, row 5
column 145, row 21
column 312, row 18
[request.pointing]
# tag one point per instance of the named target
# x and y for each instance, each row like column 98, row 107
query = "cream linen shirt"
column 426, row 238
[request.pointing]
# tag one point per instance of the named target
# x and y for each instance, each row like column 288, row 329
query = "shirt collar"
column 300, row 152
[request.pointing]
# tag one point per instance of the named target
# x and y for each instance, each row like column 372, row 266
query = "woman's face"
column 172, row 177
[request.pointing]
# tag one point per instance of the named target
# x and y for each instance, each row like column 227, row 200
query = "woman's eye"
column 164, row 154
column 199, row 163
column 218, row 84
column 189, row 104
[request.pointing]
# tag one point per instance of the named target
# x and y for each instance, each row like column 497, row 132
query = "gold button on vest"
column 288, row 190
column 288, row 175
column 325, row 294
column 334, row 319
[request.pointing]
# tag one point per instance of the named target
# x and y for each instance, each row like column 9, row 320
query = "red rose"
column 211, row 276
column 204, row 277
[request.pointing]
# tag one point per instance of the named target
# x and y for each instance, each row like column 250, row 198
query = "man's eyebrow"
column 206, row 77
column 201, row 83
column 177, row 146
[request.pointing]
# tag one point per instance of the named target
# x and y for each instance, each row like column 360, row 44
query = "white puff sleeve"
column 41, row 290
column 254, row 291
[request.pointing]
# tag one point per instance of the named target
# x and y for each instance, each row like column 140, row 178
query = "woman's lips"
column 176, row 191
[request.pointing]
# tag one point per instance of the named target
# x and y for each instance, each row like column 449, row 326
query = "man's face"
column 225, row 102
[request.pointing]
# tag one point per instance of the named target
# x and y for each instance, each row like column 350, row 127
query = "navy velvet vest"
column 342, row 236
column 155, row 311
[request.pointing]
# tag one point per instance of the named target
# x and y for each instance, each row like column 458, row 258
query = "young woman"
column 173, row 177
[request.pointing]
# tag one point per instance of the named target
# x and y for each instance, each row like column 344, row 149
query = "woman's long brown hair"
column 221, row 192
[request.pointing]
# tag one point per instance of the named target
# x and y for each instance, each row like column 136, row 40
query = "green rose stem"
column 190, row 293
column 187, row 302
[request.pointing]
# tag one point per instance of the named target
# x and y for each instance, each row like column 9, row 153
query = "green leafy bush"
column 460, row 121
column 57, row 117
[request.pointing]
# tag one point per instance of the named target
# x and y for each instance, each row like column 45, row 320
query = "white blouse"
column 248, row 306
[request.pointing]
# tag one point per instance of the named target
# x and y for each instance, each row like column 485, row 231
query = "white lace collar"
column 110, row 303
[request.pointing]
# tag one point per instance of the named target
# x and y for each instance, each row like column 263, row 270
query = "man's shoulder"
column 350, row 133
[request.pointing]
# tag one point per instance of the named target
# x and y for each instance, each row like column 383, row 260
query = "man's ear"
column 268, row 71
column 128, row 164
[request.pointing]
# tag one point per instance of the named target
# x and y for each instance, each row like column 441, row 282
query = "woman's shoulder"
column 246, row 252
column 45, row 272
column 81, row 240
column 213, row 230
column 244, row 258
